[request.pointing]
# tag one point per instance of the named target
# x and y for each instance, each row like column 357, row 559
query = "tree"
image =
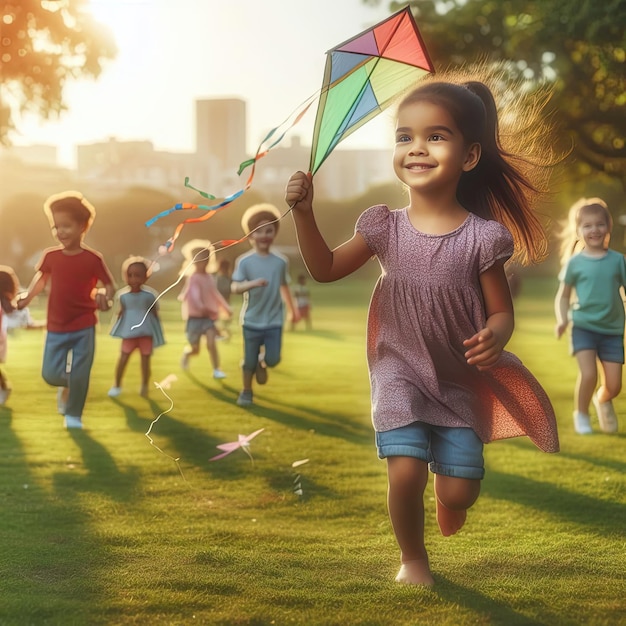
column 43, row 44
column 577, row 45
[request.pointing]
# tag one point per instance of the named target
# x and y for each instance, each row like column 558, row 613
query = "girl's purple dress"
column 427, row 301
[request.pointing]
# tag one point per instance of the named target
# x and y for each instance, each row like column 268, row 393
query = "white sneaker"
column 114, row 392
column 606, row 415
column 72, row 422
column 218, row 374
column 582, row 423
column 184, row 362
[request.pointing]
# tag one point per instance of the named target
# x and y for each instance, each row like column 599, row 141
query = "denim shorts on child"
column 256, row 338
column 454, row 452
column 197, row 327
column 609, row 348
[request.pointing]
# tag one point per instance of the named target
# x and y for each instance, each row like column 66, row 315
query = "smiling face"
column 593, row 229
column 136, row 275
column 68, row 231
column 263, row 237
column 430, row 152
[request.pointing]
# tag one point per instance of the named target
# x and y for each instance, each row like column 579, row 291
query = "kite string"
column 211, row 210
column 153, row 423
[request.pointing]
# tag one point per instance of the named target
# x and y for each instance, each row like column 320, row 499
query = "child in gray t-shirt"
column 261, row 275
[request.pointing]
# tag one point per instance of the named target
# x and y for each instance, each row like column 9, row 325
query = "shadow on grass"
column 192, row 445
column 601, row 516
column 103, row 474
column 493, row 611
column 610, row 464
column 40, row 539
column 295, row 416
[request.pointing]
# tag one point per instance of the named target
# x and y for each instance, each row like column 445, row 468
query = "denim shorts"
column 256, row 338
column 454, row 452
column 197, row 327
column 609, row 348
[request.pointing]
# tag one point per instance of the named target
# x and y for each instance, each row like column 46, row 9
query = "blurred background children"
column 202, row 303
column 73, row 271
column 590, row 296
column 137, row 323
column 303, row 302
column 9, row 286
column 262, row 276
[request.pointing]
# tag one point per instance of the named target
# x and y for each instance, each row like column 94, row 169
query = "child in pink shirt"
column 202, row 303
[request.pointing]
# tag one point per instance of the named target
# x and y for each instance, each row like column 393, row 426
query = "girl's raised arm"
column 324, row 265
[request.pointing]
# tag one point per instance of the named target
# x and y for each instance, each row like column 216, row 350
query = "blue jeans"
column 81, row 344
column 254, row 338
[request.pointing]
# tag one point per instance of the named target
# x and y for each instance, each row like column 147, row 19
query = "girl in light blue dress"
column 137, row 323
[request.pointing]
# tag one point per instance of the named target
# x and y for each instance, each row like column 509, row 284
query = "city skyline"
column 260, row 54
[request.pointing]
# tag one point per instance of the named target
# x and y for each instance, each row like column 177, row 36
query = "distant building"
column 110, row 166
column 221, row 131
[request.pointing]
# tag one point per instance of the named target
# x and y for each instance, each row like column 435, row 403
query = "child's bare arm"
column 36, row 286
column 246, row 285
column 561, row 308
column 287, row 297
column 486, row 346
column 324, row 264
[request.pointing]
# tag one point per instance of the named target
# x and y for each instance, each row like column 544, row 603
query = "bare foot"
column 450, row 522
column 415, row 573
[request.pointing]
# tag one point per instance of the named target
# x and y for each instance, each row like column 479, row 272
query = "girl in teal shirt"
column 590, row 296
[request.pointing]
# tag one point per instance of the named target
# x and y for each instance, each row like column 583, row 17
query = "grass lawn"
column 101, row 527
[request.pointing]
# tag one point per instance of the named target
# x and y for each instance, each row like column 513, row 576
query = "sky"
column 271, row 53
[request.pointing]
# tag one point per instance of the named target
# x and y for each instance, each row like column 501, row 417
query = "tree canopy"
column 43, row 44
column 579, row 46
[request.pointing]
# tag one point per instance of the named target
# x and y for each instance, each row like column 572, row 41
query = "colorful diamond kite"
column 363, row 76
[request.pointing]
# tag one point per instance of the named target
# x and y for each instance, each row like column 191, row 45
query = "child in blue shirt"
column 261, row 275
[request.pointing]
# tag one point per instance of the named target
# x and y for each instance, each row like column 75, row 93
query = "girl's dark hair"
column 9, row 286
column 504, row 186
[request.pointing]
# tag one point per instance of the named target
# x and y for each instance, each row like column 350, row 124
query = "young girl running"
column 596, row 274
column 441, row 312
column 202, row 303
column 137, row 327
column 9, row 286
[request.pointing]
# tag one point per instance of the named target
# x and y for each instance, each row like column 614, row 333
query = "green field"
column 101, row 527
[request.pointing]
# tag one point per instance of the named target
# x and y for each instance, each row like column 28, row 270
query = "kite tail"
column 168, row 246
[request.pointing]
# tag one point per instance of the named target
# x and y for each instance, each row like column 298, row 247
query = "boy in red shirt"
column 73, row 271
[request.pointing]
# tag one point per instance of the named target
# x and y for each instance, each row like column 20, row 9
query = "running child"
column 137, row 322
column 202, row 303
column 9, row 286
column 441, row 312
column 73, row 272
column 590, row 297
